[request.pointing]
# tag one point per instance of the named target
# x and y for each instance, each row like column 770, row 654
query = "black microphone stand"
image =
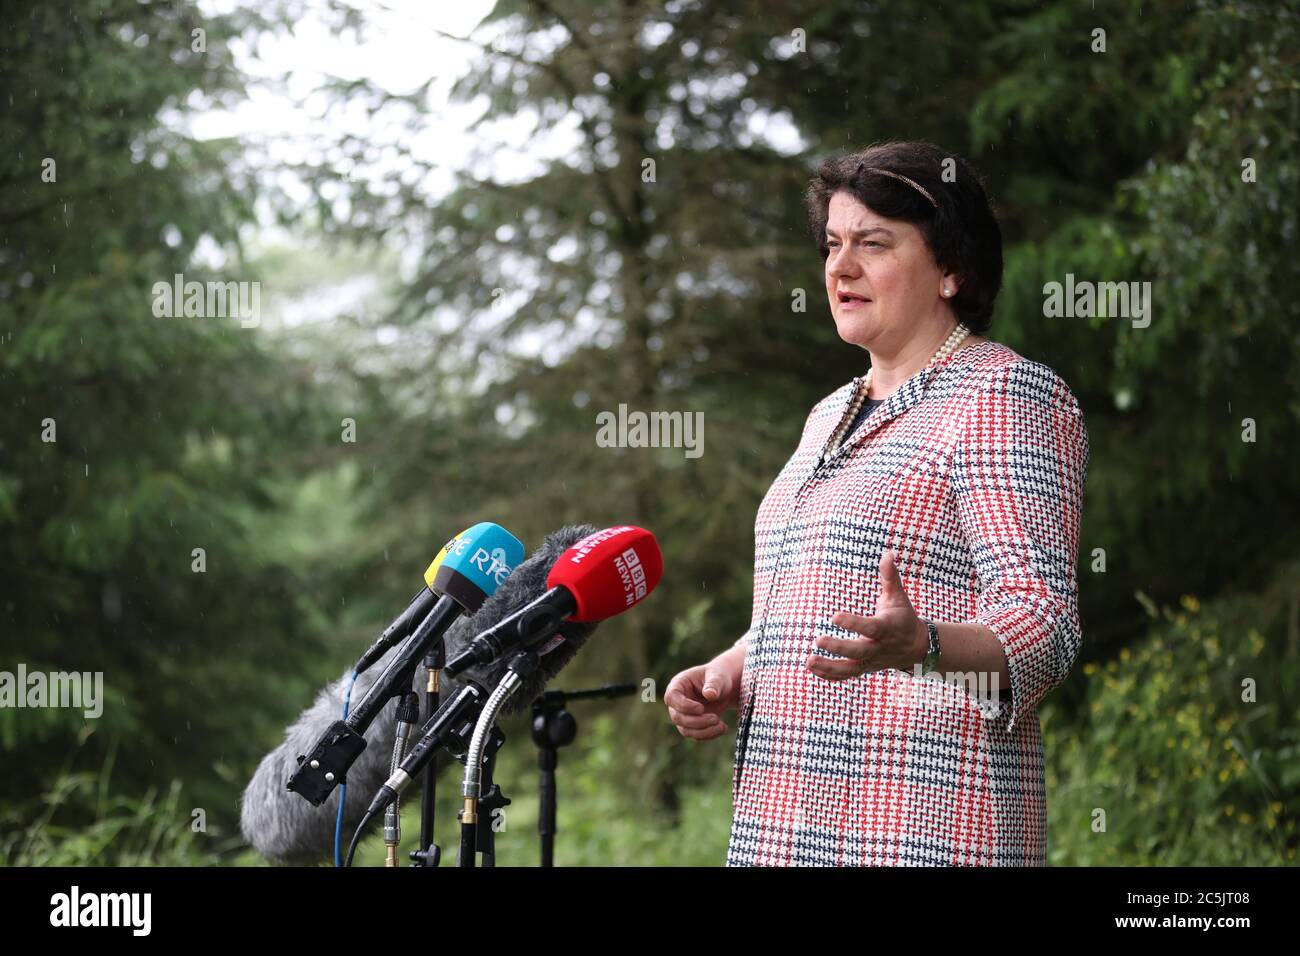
column 429, row 854
column 554, row 727
column 452, row 728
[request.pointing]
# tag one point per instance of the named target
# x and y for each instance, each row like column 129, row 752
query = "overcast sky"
column 400, row 50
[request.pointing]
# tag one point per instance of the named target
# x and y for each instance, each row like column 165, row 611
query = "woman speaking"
column 915, row 593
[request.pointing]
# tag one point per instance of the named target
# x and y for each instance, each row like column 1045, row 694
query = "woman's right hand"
column 697, row 696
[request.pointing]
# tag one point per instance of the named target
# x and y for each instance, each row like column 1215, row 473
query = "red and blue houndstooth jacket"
column 973, row 473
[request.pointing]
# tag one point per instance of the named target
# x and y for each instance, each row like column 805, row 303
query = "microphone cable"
column 343, row 787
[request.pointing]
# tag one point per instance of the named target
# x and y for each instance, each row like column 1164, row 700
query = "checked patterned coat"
column 973, row 473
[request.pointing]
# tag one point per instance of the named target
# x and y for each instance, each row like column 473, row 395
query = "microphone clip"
column 320, row 771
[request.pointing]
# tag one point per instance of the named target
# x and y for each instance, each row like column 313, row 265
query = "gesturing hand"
column 892, row 637
column 697, row 697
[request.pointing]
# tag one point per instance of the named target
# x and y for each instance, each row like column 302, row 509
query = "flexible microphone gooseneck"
column 600, row 576
column 286, row 829
column 475, row 564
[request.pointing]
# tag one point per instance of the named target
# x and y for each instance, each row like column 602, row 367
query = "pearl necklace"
column 955, row 338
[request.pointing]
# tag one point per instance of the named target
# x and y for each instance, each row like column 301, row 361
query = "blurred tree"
column 128, row 440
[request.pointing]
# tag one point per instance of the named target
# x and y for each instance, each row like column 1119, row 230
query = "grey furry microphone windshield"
column 287, row 829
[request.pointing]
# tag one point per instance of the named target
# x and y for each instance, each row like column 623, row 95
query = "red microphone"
column 600, row 576
column 609, row 571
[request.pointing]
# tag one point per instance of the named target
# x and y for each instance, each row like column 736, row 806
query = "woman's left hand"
column 892, row 637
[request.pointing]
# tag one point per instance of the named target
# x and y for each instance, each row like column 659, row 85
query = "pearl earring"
column 947, row 291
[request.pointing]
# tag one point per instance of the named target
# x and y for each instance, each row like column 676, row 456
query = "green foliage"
column 128, row 440
column 1187, row 770
column 107, row 829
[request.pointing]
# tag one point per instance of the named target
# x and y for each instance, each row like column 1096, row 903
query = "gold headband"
column 899, row 176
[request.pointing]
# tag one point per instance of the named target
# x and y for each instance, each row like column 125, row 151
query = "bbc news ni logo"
column 632, row 576
column 77, row 909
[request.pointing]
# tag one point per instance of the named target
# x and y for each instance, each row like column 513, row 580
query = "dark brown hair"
column 959, row 226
